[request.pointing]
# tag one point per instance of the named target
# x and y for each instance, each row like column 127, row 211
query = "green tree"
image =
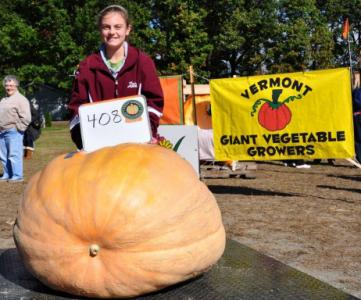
column 47, row 49
column 336, row 11
column 252, row 37
column 43, row 41
column 226, row 22
column 182, row 38
column 242, row 32
column 304, row 42
column 18, row 43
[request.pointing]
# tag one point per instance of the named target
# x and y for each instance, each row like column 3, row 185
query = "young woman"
column 116, row 70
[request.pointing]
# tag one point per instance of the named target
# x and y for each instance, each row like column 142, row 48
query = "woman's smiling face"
column 10, row 87
column 114, row 30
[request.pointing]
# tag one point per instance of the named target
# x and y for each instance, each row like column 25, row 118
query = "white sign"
column 113, row 122
column 183, row 139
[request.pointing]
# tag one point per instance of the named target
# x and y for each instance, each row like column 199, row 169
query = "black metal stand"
column 241, row 273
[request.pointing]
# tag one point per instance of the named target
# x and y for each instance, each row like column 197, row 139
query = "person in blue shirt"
column 356, row 107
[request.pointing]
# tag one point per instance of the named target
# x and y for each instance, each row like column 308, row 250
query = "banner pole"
column 193, row 94
column 350, row 59
column 191, row 78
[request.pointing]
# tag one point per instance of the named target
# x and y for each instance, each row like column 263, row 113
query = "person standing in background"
column 33, row 131
column 116, row 70
column 356, row 107
column 15, row 117
column 296, row 163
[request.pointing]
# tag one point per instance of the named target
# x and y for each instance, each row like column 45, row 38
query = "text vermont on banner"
column 304, row 115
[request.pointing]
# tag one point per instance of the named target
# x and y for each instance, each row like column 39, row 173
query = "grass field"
column 53, row 141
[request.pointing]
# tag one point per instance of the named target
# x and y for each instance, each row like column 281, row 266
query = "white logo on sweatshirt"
column 132, row 85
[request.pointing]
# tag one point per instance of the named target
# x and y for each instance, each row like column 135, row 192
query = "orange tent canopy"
column 203, row 104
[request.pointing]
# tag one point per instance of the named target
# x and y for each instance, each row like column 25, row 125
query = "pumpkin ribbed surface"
column 118, row 222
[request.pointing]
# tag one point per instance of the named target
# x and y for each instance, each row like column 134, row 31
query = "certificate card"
column 112, row 122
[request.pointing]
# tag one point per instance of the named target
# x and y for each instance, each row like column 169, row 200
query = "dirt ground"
column 306, row 218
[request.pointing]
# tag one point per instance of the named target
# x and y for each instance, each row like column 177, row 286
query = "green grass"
column 55, row 138
column 53, row 141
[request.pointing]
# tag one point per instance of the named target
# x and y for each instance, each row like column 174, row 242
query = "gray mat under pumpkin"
column 241, row 273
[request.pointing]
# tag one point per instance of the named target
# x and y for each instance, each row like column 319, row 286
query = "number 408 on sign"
column 105, row 118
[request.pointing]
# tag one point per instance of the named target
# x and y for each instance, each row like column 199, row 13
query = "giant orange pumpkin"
column 121, row 221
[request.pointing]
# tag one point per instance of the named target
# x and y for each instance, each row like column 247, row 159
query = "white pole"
column 350, row 58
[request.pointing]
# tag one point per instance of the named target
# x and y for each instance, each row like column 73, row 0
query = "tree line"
column 43, row 41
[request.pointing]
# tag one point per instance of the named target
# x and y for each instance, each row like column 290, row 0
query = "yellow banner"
column 304, row 115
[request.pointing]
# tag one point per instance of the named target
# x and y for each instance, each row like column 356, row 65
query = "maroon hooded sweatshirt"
column 94, row 82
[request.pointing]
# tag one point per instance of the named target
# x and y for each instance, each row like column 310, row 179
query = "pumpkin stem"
column 275, row 95
column 94, row 249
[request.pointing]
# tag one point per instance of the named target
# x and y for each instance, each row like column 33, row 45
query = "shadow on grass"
column 340, row 189
column 223, row 189
column 354, row 178
column 235, row 190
